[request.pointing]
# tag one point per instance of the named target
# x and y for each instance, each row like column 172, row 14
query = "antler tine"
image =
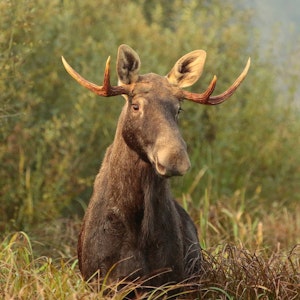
column 214, row 100
column 106, row 90
column 203, row 97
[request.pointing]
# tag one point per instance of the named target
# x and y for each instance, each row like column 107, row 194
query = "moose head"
column 153, row 105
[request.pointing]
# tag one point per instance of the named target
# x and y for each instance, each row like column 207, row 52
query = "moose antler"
column 206, row 98
column 106, row 90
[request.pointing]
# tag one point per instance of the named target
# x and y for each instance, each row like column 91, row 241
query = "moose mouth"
column 169, row 163
column 159, row 168
column 170, row 171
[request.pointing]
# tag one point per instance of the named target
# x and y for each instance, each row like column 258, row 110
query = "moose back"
column 133, row 228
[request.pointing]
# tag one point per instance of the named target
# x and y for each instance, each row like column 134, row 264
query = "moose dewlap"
column 133, row 228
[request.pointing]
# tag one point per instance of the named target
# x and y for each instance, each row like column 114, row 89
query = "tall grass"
column 247, row 255
column 229, row 272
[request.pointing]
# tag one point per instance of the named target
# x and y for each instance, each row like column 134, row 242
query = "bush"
column 55, row 133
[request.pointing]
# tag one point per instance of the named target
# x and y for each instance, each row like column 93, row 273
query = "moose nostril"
column 160, row 168
column 169, row 163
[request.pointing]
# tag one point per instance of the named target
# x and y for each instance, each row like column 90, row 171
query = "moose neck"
column 138, row 189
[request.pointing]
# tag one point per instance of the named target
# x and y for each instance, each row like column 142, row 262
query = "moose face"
column 150, row 126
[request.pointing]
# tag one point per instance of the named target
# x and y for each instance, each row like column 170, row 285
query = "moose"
column 133, row 228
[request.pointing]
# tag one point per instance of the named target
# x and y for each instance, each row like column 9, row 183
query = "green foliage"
column 54, row 133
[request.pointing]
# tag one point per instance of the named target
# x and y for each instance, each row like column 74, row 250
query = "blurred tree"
column 54, row 133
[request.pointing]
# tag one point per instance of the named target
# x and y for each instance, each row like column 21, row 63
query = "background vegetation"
column 243, row 187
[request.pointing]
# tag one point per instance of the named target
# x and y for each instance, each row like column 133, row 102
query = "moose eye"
column 179, row 110
column 135, row 106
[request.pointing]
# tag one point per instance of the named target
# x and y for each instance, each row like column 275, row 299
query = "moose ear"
column 187, row 69
column 128, row 64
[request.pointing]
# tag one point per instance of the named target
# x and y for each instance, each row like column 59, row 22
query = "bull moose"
column 133, row 228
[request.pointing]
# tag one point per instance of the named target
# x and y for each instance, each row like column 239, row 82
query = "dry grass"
column 249, row 254
column 229, row 272
column 238, row 274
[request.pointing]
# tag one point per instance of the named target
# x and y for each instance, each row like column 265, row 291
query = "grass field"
column 245, row 258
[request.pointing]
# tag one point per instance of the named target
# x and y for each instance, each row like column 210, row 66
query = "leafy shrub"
column 54, row 133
